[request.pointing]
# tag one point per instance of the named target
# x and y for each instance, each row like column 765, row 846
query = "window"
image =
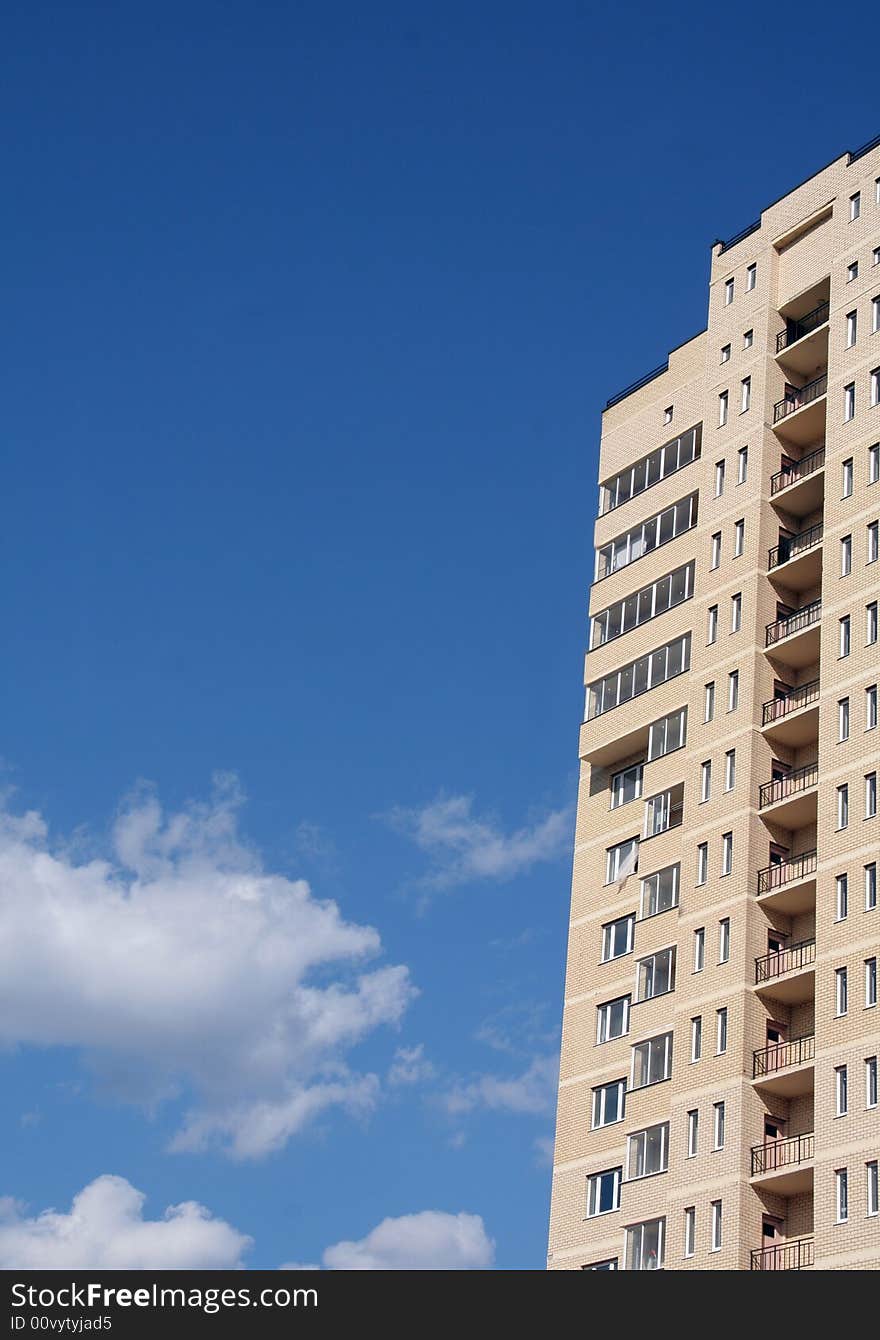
column 728, row 292
column 603, row 1192
column 702, row 862
column 851, row 328
column 846, row 555
column 652, row 1061
column 613, row 1019
column 699, row 948
column 726, row 853
column 617, row 938
column 610, row 1264
column 852, row 271
column 842, row 720
column 871, row 886
column 638, row 677
column 875, row 256
column 621, row 860
column 716, row 1225
column 664, row 811
column 712, row 628
column 875, row 315
column 725, row 353
column 870, row 1081
column 732, row 690
column 871, row 623
column 705, row 779
column 693, row 1132
column 870, row 795
column 709, row 701
column 626, row 786
column 650, row 469
column 664, row 594
column 751, row 276
column 841, row 1187
column 843, row 638
column 841, row 1085
column 870, row 983
column 736, row 612
column 874, row 463
column 720, row 471
column 724, row 940
column 715, row 559
column 667, row 414
column 871, row 1186
column 667, row 734
column 745, row 397
column 690, row 1229
column 875, row 387
column 871, row 549
column 849, row 402
column 877, row 195
column 739, row 537
column 656, row 974
column 855, row 206
column 742, row 465
column 748, row 339
column 841, row 886
column 647, row 1152
column 723, row 403
column 841, row 997
column 609, row 1103
column 696, row 1037
column 646, row 1245
column 846, row 486
column 843, row 805
column 644, row 538
column 721, row 1031
column 660, row 891
column 730, row 769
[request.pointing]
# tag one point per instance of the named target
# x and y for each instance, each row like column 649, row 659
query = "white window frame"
column 841, row 992
column 724, row 940
column 871, row 1090
column 609, row 937
column 842, row 806
column 870, row 870
column 601, row 1105
column 845, row 555
column 852, row 326
column 632, row 1149
column 841, row 1091
column 849, row 402
column 736, row 604
column 716, row 1225
column 693, row 1133
column 702, row 863
column 729, row 769
column 872, row 1189
column 841, row 1195
column 719, row 1123
column 733, row 691
column 726, row 853
column 745, row 395
column 699, row 949
column 844, row 636
column 594, row 1192
column 870, row 795
column 721, row 1026
column 842, row 720
column 729, row 288
column 846, row 478
column 723, row 412
column 690, row 1230
column 603, row 1018
column 618, row 785
column 871, row 982
column 841, row 896
column 696, row 1038
column 751, row 276
column 631, row 1253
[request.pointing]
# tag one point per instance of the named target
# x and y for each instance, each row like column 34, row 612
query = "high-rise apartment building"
column 718, row 1094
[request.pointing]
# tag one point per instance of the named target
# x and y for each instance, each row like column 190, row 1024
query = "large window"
column 612, row 1019
column 652, row 1061
column 626, row 785
column 660, row 891
column 638, row 677
column 603, row 1192
column 646, row 536
column 647, row 1152
column 645, row 1245
column 621, row 860
column 609, row 1103
column 642, row 606
column 650, row 469
column 617, row 938
column 656, row 974
column 667, row 734
column 664, row 811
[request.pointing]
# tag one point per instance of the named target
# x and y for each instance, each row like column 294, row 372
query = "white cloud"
column 431, row 1240
column 182, row 966
column 105, row 1230
column 544, row 1146
column 531, row 1093
column 410, row 1066
column 463, row 848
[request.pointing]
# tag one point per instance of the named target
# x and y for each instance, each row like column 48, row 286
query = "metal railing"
column 799, row 955
column 792, row 545
column 785, row 872
column 796, row 330
column 781, row 1055
column 797, row 470
column 802, row 696
column 803, row 395
column 789, row 785
column 778, row 1154
column 793, row 623
column 785, row 1256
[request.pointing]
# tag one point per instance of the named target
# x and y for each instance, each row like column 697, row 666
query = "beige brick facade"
column 764, row 1191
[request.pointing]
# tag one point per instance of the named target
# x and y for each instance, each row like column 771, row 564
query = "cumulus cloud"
column 462, row 847
column 530, row 1093
column 105, row 1229
column 410, row 1066
column 181, row 966
column 431, row 1240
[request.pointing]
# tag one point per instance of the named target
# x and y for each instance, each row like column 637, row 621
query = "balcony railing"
column 797, row 470
column 799, row 955
column 781, row 1055
column 785, row 1256
column 783, row 787
column 785, row 872
column 793, row 623
column 793, row 545
column 804, row 395
column 780, row 1154
column 802, row 696
column 796, row 330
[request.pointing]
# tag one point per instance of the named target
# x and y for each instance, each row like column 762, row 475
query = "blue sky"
column 305, row 341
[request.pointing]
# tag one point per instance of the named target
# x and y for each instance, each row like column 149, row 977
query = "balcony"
column 791, row 800
column 794, row 719
column 788, row 974
column 797, row 560
column 785, row 1068
column 801, row 484
column 796, row 1255
column 803, row 345
column 790, row 886
column 800, row 416
column 785, row 1166
column 794, row 639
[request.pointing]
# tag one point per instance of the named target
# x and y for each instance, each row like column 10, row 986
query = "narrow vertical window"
column 874, row 463
column 724, row 940
column 723, row 402
column 726, row 853
column 739, row 537
column 712, row 625
column 841, row 886
column 841, row 1186
column 870, row 982
column 715, row 559
column 855, row 206
column 872, row 547
column 716, row 1225
column 870, row 1081
column 871, row 1187
column 842, row 720
column 693, row 1122
column 871, row 886
column 699, row 948
column 736, row 604
column 870, row 795
column 846, row 485
column 720, row 471
column 745, row 397
column 843, row 636
column 718, row 1114
column 849, row 402
column 709, row 701
column 851, row 328
column 841, row 1091
column 742, row 465
column 721, row 1031
column 843, row 805
column 732, row 690
column 730, row 770
column 702, row 864
column 728, row 292
column 871, row 707
column 751, row 276
column 841, row 992
column 846, row 555
column 690, row 1229
column 696, row 1037
column 705, row 780
column 871, row 623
